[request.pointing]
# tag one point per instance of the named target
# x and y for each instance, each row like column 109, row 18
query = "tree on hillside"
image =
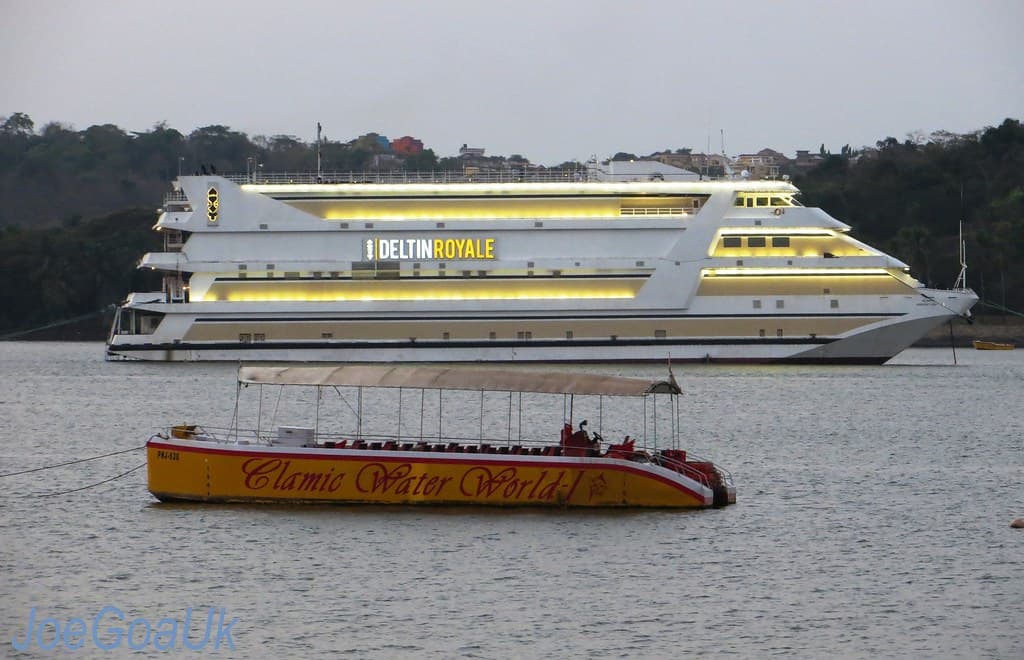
column 218, row 146
column 910, row 197
column 18, row 124
column 424, row 161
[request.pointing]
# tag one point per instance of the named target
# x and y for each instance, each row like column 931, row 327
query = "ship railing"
column 269, row 435
column 431, row 442
column 656, row 211
column 693, row 473
column 402, row 176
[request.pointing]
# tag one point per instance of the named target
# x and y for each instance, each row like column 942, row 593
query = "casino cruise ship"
column 571, row 268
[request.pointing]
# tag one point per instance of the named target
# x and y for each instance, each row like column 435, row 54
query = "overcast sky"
column 553, row 80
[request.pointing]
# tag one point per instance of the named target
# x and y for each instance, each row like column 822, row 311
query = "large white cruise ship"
column 312, row 268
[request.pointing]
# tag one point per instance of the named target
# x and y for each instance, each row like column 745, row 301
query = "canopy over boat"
column 453, row 378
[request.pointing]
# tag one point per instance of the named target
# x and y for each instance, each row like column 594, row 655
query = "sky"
column 552, row 80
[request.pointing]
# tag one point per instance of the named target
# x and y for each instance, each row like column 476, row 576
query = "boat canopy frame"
column 456, row 378
column 512, row 382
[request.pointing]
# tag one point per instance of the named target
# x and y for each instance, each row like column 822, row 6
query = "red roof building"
column 406, row 146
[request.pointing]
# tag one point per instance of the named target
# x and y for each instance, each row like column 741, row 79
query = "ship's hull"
column 192, row 470
column 876, row 339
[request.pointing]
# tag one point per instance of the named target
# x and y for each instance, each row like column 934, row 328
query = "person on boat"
column 578, row 443
column 584, row 439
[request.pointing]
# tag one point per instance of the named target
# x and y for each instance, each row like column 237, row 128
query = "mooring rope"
column 98, row 483
column 80, row 460
column 1001, row 308
column 55, row 324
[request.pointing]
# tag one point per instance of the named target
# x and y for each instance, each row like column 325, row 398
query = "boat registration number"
column 167, row 455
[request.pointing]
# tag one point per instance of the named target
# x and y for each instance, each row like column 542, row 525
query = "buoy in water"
column 1018, row 523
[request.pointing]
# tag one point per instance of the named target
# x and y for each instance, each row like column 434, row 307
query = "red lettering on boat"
column 258, row 472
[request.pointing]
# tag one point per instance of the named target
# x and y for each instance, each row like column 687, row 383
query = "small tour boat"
column 421, row 462
column 983, row 345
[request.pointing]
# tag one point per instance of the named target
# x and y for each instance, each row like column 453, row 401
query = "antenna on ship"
column 319, row 128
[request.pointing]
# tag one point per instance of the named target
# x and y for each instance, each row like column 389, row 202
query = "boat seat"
column 472, row 449
column 375, row 445
column 391, row 444
column 516, row 449
column 340, row 444
column 406, row 446
column 535, row 451
column 486, row 449
column 502, row 450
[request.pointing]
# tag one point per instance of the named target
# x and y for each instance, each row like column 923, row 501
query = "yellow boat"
column 568, row 467
column 982, row 345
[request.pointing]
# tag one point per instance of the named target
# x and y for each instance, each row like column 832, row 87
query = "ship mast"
column 961, row 279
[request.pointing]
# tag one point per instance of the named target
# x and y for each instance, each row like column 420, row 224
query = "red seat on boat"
column 675, row 455
column 623, row 450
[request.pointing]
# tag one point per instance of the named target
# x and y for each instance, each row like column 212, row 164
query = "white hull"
column 875, row 344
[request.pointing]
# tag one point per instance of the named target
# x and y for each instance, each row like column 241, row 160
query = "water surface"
column 873, row 521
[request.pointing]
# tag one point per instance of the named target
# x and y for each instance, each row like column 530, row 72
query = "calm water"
column 873, row 521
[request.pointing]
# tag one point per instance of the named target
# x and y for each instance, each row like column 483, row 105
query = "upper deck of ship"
column 512, row 183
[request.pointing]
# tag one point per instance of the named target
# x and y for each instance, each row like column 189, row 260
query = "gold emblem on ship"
column 212, row 204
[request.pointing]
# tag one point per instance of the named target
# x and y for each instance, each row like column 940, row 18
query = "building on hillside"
column 681, row 158
column 470, row 152
column 406, row 146
column 805, row 160
column 384, row 162
column 710, row 165
column 765, row 164
column 373, row 143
